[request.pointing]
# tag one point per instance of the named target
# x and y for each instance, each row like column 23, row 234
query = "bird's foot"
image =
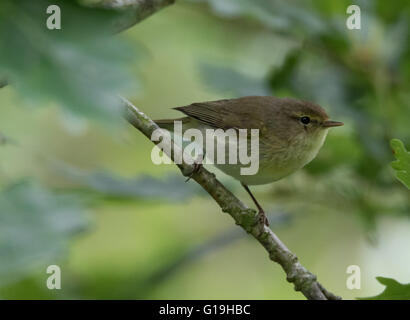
column 196, row 168
column 262, row 218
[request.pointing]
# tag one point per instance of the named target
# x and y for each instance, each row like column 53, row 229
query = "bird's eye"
column 305, row 120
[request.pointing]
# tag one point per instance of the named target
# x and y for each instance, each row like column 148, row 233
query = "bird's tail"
column 168, row 124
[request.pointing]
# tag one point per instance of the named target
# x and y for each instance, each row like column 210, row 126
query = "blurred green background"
column 79, row 189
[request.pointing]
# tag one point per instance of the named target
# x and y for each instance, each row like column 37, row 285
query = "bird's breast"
column 276, row 163
column 277, row 159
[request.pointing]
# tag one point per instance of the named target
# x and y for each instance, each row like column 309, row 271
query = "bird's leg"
column 261, row 215
column 197, row 165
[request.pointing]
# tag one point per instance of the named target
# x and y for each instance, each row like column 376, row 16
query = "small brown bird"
column 291, row 133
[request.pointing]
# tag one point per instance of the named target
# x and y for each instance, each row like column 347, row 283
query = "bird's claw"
column 263, row 219
column 197, row 166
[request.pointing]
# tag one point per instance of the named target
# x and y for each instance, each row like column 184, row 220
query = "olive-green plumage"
column 291, row 132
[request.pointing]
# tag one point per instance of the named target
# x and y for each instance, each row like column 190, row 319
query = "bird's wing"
column 242, row 113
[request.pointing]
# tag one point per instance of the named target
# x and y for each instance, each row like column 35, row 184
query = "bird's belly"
column 263, row 176
column 274, row 163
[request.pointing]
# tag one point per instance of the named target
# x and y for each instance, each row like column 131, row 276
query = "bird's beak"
column 330, row 123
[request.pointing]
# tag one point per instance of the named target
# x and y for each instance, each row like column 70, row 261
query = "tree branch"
column 132, row 11
column 245, row 217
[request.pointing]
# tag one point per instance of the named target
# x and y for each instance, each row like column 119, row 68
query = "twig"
column 245, row 217
column 132, row 11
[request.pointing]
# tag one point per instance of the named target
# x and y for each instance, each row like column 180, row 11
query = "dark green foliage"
column 402, row 164
column 394, row 290
column 81, row 67
column 36, row 226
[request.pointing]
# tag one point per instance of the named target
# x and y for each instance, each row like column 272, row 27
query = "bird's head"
column 305, row 119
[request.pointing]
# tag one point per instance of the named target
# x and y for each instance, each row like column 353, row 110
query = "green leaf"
column 36, row 226
column 80, row 67
column 394, row 290
column 402, row 164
